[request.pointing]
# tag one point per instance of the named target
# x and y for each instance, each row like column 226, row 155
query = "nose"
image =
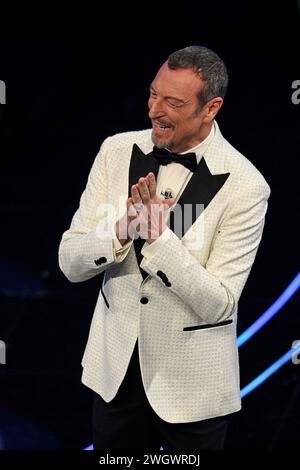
column 155, row 109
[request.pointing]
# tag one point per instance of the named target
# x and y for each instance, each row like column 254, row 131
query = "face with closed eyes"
column 178, row 121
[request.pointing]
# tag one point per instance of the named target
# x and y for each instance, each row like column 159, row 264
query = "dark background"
column 64, row 96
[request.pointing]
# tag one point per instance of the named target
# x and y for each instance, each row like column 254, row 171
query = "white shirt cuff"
column 120, row 251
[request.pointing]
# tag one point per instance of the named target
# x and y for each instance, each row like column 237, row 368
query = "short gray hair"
column 208, row 65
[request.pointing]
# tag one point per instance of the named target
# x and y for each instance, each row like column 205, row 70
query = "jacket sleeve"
column 213, row 290
column 86, row 248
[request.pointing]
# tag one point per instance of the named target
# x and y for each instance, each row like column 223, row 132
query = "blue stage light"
column 275, row 307
column 270, row 370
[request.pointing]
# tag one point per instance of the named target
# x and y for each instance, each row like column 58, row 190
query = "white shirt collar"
column 200, row 148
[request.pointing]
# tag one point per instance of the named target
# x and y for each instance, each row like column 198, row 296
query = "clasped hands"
column 146, row 213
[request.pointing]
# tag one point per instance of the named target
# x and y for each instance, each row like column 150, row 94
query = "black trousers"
column 128, row 422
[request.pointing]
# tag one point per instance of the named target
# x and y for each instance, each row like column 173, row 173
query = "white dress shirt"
column 171, row 178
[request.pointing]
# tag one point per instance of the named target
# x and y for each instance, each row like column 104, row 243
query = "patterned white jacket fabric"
column 184, row 312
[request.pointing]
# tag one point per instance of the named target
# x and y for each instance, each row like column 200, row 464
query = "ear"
column 212, row 108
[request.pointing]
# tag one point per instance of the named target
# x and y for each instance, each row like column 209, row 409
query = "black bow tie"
column 164, row 157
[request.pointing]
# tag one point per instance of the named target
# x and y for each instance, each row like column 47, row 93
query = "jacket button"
column 101, row 260
column 144, row 300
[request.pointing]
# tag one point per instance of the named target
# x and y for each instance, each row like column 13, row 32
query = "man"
column 161, row 355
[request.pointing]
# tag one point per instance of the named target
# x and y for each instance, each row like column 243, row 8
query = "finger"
column 137, row 201
column 135, row 194
column 131, row 212
column 144, row 190
column 152, row 185
column 129, row 202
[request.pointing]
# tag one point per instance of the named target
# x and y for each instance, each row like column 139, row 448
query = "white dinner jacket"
column 184, row 312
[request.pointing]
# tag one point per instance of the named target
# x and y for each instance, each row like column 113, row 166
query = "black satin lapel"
column 201, row 189
column 140, row 165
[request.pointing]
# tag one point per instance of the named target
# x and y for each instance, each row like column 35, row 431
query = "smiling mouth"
column 160, row 127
